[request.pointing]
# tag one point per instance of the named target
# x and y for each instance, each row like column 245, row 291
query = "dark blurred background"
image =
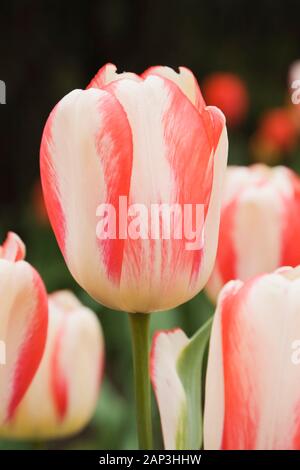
column 49, row 48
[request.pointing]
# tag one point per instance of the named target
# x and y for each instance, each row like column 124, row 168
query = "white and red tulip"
column 23, row 325
column 253, row 380
column 63, row 394
column 260, row 224
column 152, row 139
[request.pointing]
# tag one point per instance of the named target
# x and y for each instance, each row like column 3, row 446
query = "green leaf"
column 189, row 368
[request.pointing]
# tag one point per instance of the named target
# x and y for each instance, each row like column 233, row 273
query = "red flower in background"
column 228, row 92
column 276, row 135
column 277, row 128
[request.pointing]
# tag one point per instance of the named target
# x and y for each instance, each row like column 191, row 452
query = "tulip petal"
column 214, row 389
column 290, row 228
column 86, row 160
column 13, row 249
column 251, row 375
column 168, row 168
column 77, row 346
column 212, row 220
column 107, row 74
column 24, row 316
column 185, row 80
column 169, row 391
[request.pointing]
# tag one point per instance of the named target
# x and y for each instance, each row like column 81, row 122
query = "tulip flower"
column 63, row 394
column 149, row 139
column 228, row 92
column 260, row 227
column 112, row 154
column 23, row 325
column 253, row 380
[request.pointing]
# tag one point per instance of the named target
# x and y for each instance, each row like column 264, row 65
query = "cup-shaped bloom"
column 66, row 385
column 260, row 224
column 119, row 162
column 23, row 325
column 253, row 379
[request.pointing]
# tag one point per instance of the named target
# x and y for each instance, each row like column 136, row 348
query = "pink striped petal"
column 168, row 388
column 168, row 167
column 290, row 231
column 23, row 328
column 107, row 74
column 252, row 386
column 184, row 79
column 86, row 160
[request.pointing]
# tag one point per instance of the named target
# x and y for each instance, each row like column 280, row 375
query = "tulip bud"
column 253, row 380
column 23, row 325
column 109, row 154
column 66, row 385
column 260, row 226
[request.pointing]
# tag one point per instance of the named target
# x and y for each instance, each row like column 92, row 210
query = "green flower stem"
column 139, row 324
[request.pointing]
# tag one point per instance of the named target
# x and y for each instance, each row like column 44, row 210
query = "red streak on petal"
column 58, row 379
column 50, row 185
column 116, row 162
column 191, row 160
column 99, row 80
column 290, row 252
column 226, row 254
column 32, row 348
column 241, row 414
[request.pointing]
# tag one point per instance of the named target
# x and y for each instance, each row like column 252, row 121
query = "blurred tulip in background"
column 276, row 135
column 63, row 394
column 260, row 224
column 228, row 92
